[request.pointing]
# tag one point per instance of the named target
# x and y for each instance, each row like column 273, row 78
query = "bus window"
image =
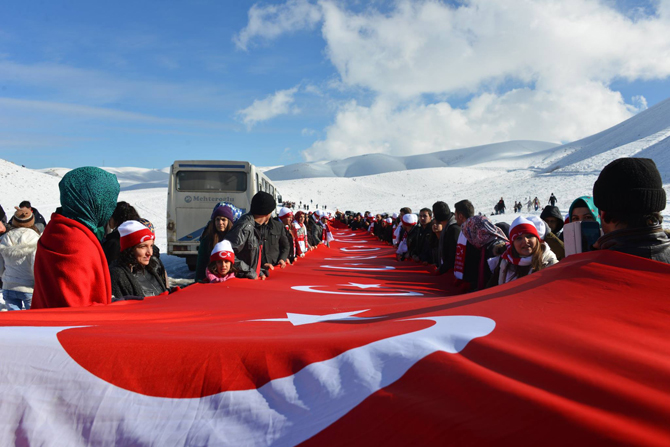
column 258, row 182
column 211, row 181
column 265, row 186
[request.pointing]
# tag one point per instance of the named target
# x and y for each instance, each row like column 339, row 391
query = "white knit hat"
column 410, row 219
column 540, row 225
column 522, row 226
column 283, row 212
column 222, row 251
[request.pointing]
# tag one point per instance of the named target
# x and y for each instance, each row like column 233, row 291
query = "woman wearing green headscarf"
column 70, row 266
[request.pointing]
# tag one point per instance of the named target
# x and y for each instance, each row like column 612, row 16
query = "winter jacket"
column 416, row 240
column 314, row 232
column 556, row 245
column 128, row 283
column 17, row 259
column 212, row 278
column 276, row 244
column 412, row 240
column 292, row 249
column 246, row 238
column 447, row 245
column 70, row 267
column 553, row 211
column 649, row 242
column 111, row 245
column 477, row 272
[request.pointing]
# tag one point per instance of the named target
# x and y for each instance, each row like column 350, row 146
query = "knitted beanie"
column 284, row 212
column 541, row 227
column 134, row 233
column 223, row 211
column 521, row 226
column 630, row 186
column 410, row 219
column 222, row 251
column 23, row 217
column 262, row 204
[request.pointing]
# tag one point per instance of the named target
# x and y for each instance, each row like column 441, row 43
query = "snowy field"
column 513, row 170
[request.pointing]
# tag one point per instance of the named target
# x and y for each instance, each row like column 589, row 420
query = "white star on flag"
column 362, row 286
column 300, row 319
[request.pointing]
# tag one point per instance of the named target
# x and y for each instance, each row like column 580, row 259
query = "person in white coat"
column 17, row 260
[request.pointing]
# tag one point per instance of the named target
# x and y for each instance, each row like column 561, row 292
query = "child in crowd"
column 221, row 261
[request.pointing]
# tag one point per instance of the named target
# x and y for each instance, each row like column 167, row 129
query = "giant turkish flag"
column 350, row 347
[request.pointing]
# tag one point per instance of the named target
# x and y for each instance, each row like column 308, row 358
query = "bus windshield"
column 203, row 181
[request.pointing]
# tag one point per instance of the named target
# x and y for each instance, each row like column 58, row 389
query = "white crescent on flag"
column 284, row 411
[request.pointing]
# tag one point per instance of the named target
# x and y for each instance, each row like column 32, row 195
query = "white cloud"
column 563, row 53
column 278, row 103
column 271, row 21
column 519, row 114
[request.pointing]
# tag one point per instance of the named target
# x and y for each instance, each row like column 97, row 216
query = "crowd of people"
column 475, row 253
column 96, row 250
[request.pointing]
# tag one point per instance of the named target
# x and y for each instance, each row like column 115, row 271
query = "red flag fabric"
column 350, row 347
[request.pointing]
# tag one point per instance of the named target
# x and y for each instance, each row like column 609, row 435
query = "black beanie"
column 441, row 211
column 630, row 186
column 262, row 204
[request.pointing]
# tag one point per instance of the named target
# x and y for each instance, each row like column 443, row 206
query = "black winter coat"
column 112, row 246
column 275, row 243
column 416, row 241
column 447, row 245
column 314, row 232
column 245, row 238
column 474, row 267
column 125, row 282
column 650, row 242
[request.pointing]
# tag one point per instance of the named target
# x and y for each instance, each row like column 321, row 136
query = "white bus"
column 193, row 190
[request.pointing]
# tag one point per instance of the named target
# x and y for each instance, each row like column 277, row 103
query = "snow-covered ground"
column 513, row 170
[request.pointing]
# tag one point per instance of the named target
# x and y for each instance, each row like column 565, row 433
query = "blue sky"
column 145, row 83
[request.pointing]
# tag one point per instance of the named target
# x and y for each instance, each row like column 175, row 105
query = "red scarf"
column 459, row 263
column 516, row 260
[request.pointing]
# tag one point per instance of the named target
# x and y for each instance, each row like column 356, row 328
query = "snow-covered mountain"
column 372, row 164
column 129, row 178
column 646, row 135
column 483, row 175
